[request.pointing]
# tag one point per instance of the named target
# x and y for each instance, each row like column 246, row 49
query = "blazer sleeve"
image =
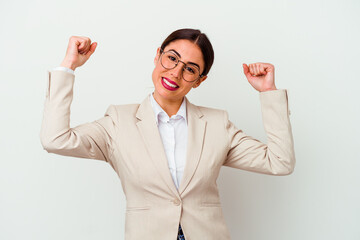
column 277, row 157
column 92, row 140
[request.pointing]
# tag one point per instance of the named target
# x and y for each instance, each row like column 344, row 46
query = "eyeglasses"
column 170, row 60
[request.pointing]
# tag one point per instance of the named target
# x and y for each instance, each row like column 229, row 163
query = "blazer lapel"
column 152, row 139
column 196, row 135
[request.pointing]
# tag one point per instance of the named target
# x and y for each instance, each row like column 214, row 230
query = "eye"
column 190, row 69
column 172, row 58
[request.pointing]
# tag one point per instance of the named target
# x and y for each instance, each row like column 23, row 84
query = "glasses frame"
column 178, row 60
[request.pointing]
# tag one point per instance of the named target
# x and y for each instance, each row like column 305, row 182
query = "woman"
column 167, row 151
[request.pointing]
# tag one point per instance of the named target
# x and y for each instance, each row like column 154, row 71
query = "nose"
column 177, row 71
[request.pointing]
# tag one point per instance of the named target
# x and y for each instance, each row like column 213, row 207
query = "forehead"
column 189, row 51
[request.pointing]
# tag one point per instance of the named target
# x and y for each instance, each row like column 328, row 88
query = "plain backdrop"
column 314, row 46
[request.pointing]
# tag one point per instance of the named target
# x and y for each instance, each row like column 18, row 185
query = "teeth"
column 171, row 85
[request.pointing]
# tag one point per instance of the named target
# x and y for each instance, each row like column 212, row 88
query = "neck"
column 171, row 107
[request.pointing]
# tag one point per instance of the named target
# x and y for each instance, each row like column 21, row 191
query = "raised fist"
column 78, row 52
column 261, row 76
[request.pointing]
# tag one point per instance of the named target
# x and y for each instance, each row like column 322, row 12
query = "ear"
column 157, row 55
column 198, row 82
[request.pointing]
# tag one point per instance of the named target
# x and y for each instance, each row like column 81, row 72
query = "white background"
column 314, row 46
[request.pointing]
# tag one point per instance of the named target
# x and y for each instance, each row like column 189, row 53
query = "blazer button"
column 176, row 202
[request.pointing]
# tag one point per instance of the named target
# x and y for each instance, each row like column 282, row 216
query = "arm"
column 245, row 152
column 277, row 157
column 90, row 140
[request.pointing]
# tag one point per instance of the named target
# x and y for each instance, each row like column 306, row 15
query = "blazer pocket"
column 133, row 209
column 208, row 204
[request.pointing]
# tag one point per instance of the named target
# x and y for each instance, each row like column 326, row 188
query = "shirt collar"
column 162, row 115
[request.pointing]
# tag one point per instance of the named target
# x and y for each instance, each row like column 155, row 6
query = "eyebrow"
column 180, row 57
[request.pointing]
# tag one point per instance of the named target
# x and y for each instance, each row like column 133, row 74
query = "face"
column 189, row 52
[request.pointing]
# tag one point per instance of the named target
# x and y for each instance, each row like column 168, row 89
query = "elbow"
column 46, row 144
column 57, row 141
column 282, row 166
column 44, row 139
column 63, row 143
column 282, row 172
column 49, row 144
column 288, row 171
column 52, row 141
column 288, row 167
column 291, row 165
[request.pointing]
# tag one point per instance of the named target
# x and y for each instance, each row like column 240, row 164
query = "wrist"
column 269, row 89
column 68, row 65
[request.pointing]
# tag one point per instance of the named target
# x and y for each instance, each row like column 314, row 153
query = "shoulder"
column 129, row 108
column 216, row 120
column 123, row 110
column 210, row 113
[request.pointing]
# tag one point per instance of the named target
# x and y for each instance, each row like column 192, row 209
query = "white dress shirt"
column 173, row 132
column 64, row 69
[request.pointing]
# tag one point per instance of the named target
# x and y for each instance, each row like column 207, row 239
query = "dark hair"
column 197, row 37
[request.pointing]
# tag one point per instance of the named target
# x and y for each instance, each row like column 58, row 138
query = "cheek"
column 188, row 86
column 157, row 69
column 156, row 76
column 155, row 73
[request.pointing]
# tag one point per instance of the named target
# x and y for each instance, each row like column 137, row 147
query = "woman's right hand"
column 78, row 52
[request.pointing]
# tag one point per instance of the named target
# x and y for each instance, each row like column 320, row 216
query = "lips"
column 168, row 84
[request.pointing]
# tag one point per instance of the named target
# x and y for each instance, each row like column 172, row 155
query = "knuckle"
column 86, row 39
column 74, row 37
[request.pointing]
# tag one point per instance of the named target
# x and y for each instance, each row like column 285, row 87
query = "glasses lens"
column 169, row 60
column 191, row 73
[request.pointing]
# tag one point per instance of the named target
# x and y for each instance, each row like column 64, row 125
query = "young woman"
column 167, row 151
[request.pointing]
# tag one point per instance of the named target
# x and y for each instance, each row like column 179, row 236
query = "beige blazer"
column 128, row 139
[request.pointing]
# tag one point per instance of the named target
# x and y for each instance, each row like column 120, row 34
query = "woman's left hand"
column 261, row 76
